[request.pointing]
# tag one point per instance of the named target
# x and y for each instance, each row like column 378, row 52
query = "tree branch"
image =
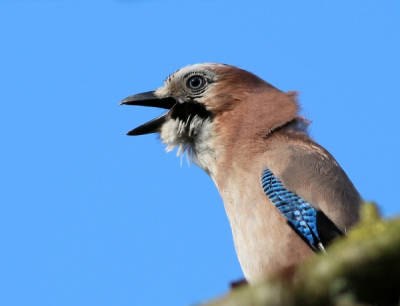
column 362, row 268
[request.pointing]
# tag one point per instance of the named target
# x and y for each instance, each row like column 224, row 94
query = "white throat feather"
column 195, row 136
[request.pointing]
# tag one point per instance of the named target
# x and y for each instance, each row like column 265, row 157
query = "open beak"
column 149, row 99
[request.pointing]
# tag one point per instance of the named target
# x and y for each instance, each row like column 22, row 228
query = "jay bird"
column 285, row 196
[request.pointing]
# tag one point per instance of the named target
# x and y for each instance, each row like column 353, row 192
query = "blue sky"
column 90, row 216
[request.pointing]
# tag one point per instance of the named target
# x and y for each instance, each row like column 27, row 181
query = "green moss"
column 360, row 268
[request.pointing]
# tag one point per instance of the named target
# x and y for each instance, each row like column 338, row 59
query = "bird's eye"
column 195, row 82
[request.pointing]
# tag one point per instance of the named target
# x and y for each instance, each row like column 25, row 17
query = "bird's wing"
column 315, row 185
column 314, row 175
column 301, row 215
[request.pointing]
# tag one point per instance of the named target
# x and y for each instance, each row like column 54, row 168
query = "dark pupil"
column 195, row 82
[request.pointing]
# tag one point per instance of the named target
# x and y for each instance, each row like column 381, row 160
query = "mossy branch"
column 362, row 268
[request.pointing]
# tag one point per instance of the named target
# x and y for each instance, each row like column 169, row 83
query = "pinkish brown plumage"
column 236, row 127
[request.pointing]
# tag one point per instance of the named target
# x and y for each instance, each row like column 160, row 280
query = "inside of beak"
column 149, row 99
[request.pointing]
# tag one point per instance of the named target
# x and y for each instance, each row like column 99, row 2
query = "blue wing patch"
column 299, row 213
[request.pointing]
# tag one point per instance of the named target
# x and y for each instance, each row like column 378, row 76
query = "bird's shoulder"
column 296, row 150
column 311, row 172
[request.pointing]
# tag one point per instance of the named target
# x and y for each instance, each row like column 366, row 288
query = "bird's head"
column 206, row 102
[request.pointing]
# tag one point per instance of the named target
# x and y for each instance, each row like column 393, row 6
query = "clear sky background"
column 90, row 216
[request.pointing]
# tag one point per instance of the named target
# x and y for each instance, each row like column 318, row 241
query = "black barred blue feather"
column 301, row 215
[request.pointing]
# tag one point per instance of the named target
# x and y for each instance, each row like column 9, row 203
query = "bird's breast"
column 264, row 242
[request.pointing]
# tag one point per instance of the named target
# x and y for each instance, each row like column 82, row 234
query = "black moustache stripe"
column 182, row 111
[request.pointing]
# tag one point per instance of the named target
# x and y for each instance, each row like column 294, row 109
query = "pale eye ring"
column 195, row 82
